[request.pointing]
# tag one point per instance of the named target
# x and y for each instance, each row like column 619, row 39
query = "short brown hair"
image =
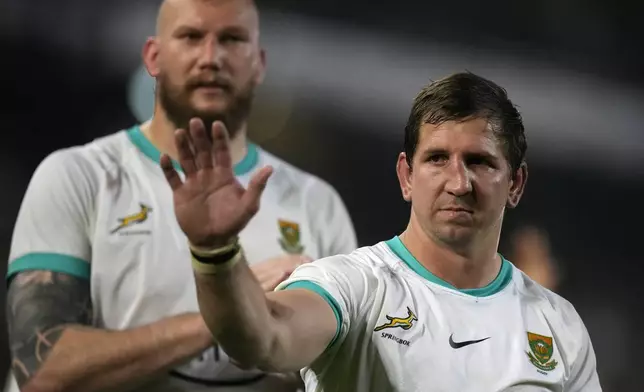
column 463, row 96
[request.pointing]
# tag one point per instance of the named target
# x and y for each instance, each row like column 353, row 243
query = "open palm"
column 211, row 206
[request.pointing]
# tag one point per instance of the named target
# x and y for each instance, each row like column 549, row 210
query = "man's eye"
column 231, row 38
column 480, row 161
column 192, row 36
column 437, row 158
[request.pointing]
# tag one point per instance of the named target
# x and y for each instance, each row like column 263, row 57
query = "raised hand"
column 211, row 206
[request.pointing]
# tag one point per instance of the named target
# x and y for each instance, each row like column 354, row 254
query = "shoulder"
column 561, row 313
column 68, row 170
column 315, row 190
column 363, row 266
column 84, row 162
column 350, row 280
column 531, row 289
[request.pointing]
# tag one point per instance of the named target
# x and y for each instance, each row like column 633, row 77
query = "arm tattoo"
column 40, row 305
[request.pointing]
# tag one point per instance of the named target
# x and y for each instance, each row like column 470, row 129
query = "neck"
column 464, row 269
column 160, row 131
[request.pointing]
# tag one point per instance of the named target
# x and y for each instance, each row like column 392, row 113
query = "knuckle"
column 253, row 208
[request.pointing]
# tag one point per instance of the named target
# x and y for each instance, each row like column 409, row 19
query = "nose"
column 459, row 179
column 212, row 54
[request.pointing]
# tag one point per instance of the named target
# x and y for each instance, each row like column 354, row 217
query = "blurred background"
column 342, row 76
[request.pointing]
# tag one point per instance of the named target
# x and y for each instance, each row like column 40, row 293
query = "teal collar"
column 149, row 150
column 503, row 278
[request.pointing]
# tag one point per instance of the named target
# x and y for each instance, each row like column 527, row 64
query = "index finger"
column 221, row 145
column 201, row 143
column 184, row 149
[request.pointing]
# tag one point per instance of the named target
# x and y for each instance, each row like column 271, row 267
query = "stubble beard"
column 175, row 102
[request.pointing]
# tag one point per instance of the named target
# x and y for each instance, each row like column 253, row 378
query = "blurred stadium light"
column 573, row 119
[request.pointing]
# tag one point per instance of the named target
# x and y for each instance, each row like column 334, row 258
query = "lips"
column 217, row 83
column 457, row 209
column 213, row 85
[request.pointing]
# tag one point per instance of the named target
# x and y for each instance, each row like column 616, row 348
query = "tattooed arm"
column 54, row 348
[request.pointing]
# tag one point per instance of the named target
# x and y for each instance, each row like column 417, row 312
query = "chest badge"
column 541, row 350
column 290, row 237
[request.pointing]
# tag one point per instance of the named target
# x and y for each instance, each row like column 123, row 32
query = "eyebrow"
column 235, row 30
column 473, row 154
column 182, row 29
column 240, row 30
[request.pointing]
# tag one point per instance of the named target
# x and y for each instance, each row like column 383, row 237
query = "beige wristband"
column 204, row 252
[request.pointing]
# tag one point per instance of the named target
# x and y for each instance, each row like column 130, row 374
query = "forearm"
column 235, row 309
column 53, row 349
column 87, row 359
column 212, row 207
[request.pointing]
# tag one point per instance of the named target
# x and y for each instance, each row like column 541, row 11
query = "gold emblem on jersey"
column 541, row 350
column 290, row 240
column 133, row 219
column 399, row 322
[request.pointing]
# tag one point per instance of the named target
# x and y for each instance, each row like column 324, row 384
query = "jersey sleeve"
column 583, row 374
column 334, row 229
column 341, row 281
column 53, row 224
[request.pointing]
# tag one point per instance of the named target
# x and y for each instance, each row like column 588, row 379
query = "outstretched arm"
column 276, row 332
column 281, row 331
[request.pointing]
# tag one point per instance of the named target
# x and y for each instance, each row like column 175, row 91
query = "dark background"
column 65, row 75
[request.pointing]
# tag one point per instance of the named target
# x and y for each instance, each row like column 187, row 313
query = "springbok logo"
column 399, row 322
column 133, row 219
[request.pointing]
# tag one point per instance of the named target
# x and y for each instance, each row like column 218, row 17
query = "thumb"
column 271, row 282
column 256, row 186
column 305, row 259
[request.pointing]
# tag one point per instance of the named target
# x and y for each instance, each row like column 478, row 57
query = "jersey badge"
column 399, row 322
column 133, row 219
column 290, row 240
column 541, row 350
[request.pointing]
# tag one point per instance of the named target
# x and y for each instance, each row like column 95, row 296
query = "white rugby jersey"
column 401, row 328
column 104, row 212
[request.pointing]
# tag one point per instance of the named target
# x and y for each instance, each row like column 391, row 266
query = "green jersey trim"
column 337, row 311
column 54, row 262
column 499, row 283
column 138, row 138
